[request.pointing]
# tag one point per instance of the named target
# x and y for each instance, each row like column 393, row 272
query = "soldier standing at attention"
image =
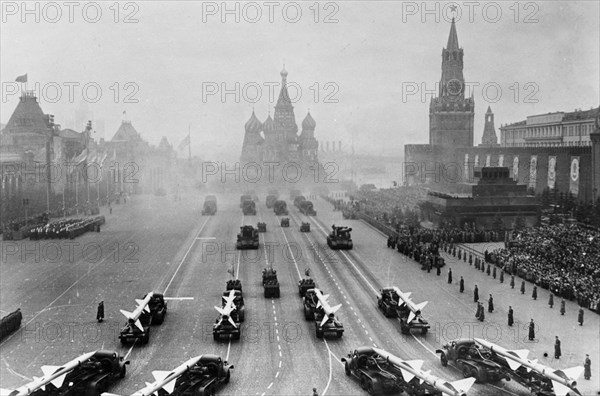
column 482, row 313
column 511, row 319
column 438, row 270
column 512, row 281
column 494, row 272
column 562, row 307
column 531, row 330
column 587, row 365
column 551, row 300
column 580, row 316
column 557, row 351
column 315, row 392
column 450, row 276
column 534, row 292
column 462, row 284
column 476, row 294
column 478, row 312
column 100, row 312
column 502, row 276
column 523, row 287
column 491, row 304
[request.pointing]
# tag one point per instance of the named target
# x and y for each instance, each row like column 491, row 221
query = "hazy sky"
column 176, row 53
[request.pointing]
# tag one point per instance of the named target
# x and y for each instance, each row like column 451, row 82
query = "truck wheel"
column 318, row 333
column 424, row 330
column 123, row 341
column 146, row 338
column 347, row 369
column 227, row 377
column 278, row 294
column 215, row 336
column 306, row 313
column 242, row 316
column 123, row 372
column 364, row 382
column 444, row 359
column 466, row 371
column 370, row 388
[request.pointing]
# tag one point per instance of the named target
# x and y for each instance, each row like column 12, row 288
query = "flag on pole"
column 22, row 79
column 307, row 271
column 231, row 271
column 184, row 143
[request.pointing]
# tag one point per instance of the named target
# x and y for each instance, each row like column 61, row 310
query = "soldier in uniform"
column 551, row 300
column 450, row 276
column 462, row 284
column 523, row 287
column 491, row 304
column 476, row 294
column 494, row 272
column 438, row 270
column 512, row 281
column 557, row 351
column 580, row 316
column 482, row 313
column 511, row 318
column 502, row 276
column 587, row 365
column 100, row 312
column 531, row 330
column 489, row 269
column 470, row 259
column 562, row 307
column 478, row 312
column 534, row 292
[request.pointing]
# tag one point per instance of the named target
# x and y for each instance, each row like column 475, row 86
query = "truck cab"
column 270, row 283
column 247, row 238
column 471, row 360
column 340, row 238
column 372, row 371
column 203, row 378
column 280, row 208
column 238, row 301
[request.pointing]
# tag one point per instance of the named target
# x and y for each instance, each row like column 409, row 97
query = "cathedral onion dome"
column 268, row 125
column 253, row 124
column 309, row 122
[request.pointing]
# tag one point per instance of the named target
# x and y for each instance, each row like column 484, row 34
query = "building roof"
column 126, row 132
column 28, row 115
column 571, row 116
column 70, row 134
column 309, row 122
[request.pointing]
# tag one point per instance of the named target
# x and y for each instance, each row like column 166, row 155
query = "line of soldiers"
column 67, row 228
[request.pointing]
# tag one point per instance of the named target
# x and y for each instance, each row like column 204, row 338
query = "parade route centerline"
column 178, row 298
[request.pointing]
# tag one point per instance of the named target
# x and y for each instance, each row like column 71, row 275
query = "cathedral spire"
column 452, row 38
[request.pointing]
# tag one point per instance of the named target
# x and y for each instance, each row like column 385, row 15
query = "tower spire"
column 452, row 38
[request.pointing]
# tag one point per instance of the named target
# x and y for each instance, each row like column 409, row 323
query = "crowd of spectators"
column 562, row 258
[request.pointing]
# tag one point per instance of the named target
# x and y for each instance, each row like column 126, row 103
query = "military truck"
column 210, row 205
column 304, row 285
column 249, row 208
column 223, row 328
column 298, row 200
column 472, row 361
column 340, row 238
column 270, row 200
column 306, row 207
column 372, row 371
column 247, row 238
column 305, row 227
column 310, row 302
column 262, row 227
column 203, row 378
column 158, row 308
column 331, row 328
column 234, row 284
column 270, row 282
column 90, row 378
column 156, row 315
column 239, row 314
column 392, row 307
column 280, row 208
column 285, row 222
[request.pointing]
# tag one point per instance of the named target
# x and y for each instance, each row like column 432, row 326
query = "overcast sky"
column 175, row 54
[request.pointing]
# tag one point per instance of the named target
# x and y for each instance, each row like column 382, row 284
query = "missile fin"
column 138, row 324
column 407, row 375
column 127, row 314
column 58, row 381
column 522, row 353
column 336, row 308
column 139, row 302
column 560, row 389
column 170, row 386
column 421, row 306
column 411, row 316
column 220, row 310
column 463, row 385
column 319, row 304
column 231, row 321
column 415, row 364
column 5, row 392
column 160, row 375
column 325, row 319
column 513, row 364
column 49, row 370
column 572, row 373
column 109, row 394
column 425, row 375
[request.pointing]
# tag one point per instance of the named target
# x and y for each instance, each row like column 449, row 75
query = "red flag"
column 22, row 79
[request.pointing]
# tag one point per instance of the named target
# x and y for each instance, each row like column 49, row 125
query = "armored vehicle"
column 304, row 285
column 249, row 208
column 280, row 208
column 305, row 227
column 298, row 200
column 262, row 227
column 471, row 360
column 247, row 238
column 210, row 205
column 372, row 371
column 270, row 201
column 203, row 378
column 285, row 222
column 340, row 238
column 270, row 282
column 306, row 207
column 244, row 198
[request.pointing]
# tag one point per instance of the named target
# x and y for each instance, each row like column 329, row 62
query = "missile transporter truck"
column 465, row 355
column 247, row 238
column 304, row 285
column 393, row 307
column 285, row 222
column 262, row 227
column 306, row 207
column 280, row 208
column 270, row 282
column 270, row 201
column 249, row 208
column 340, row 238
column 203, row 378
column 372, row 372
column 210, row 205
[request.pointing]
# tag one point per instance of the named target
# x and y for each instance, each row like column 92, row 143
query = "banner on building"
column 466, row 175
column 476, row 160
column 501, row 160
column 533, row 171
column 488, row 160
column 516, row 168
column 574, row 179
column 551, row 172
